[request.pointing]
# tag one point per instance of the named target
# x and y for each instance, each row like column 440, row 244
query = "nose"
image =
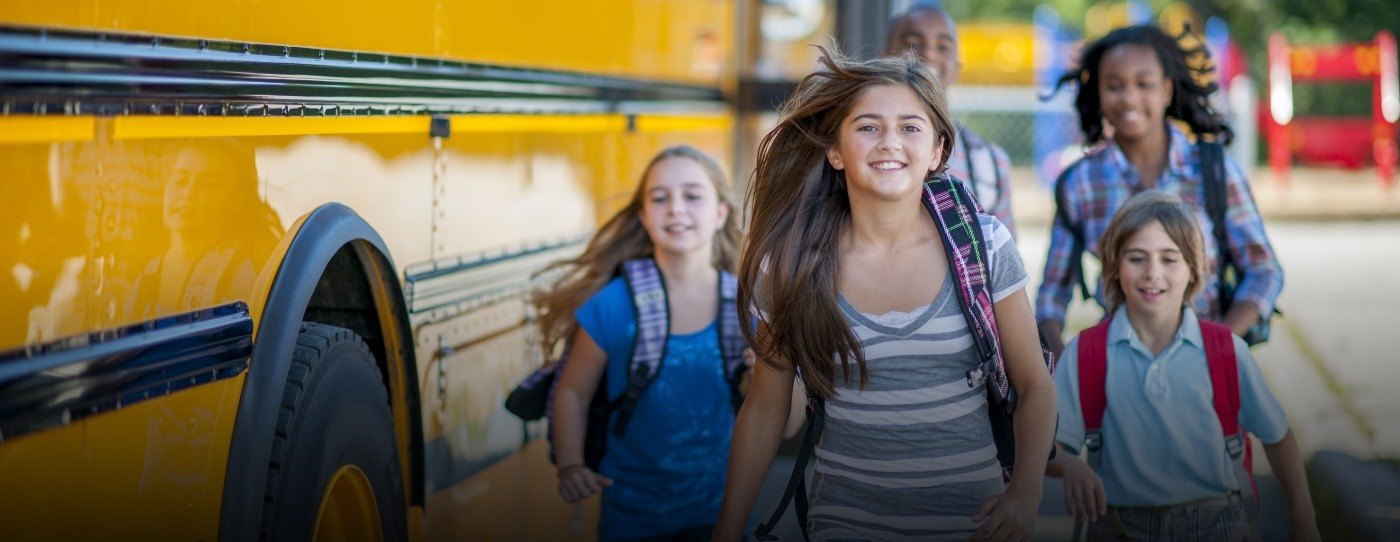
column 1154, row 269
column 889, row 141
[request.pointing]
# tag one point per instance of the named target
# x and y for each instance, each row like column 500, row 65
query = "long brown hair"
column 800, row 208
column 623, row 238
column 1139, row 212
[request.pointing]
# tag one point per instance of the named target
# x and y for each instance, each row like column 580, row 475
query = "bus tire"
column 335, row 418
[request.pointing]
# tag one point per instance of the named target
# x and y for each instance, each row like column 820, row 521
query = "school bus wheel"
column 334, row 471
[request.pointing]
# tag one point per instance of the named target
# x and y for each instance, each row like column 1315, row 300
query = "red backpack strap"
column 1224, row 375
column 1093, row 374
column 1225, row 390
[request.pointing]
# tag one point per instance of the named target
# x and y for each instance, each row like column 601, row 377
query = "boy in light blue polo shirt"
column 1165, row 471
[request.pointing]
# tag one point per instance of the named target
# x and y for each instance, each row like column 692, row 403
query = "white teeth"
column 887, row 166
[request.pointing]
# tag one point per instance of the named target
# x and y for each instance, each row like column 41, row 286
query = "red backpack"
column 1225, row 388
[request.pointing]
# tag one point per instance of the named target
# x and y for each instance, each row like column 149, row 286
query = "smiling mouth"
column 676, row 229
column 887, row 166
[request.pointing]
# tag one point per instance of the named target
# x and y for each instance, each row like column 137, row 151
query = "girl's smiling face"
column 1134, row 91
column 1153, row 272
column 681, row 210
column 887, row 144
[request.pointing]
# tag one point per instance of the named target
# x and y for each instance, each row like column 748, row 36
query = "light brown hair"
column 799, row 209
column 623, row 238
column 1139, row 212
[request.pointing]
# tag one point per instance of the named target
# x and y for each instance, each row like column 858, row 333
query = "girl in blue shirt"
column 663, row 479
column 1166, row 472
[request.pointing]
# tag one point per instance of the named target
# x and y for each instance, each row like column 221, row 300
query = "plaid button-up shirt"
column 1100, row 182
column 985, row 169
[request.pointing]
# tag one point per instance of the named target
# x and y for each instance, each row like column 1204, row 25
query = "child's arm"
column 1012, row 514
column 757, row 433
column 574, row 392
column 1085, row 498
column 1288, row 468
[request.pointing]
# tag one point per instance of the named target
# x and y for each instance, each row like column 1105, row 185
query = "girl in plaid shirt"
column 1137, row 80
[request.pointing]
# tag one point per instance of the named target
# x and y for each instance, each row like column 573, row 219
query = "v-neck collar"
column 939, row 301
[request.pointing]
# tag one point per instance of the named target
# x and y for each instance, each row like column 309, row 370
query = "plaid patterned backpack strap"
column 653, row 313
column 731, row 336
column 963, row 242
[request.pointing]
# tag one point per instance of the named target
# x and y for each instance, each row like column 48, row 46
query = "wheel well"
column 343, row 298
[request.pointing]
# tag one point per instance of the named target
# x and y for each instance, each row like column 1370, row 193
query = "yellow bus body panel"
column 157, row 216
column 688, row 41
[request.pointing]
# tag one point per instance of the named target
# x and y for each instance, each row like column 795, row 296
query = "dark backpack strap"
column 1076, row 233
column 797, row 482
column 1217, row 203
column 731, row 336
column 952, row 209
column 653, row 314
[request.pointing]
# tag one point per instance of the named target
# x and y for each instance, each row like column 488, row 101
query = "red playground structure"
column 1333, row 140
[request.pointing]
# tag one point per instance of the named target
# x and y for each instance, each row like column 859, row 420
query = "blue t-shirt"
column 669, row 469
column 1162, row 442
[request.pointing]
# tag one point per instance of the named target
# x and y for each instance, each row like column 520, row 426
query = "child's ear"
column 723, row 215
column 1167, row 89
column 940, row 155
column 834, row 158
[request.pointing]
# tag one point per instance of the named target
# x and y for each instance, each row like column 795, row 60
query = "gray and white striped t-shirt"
column 911, row 456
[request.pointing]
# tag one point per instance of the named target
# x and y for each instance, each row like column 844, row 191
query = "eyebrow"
column 1145, row 251
column 875, row 116
column 684, row 186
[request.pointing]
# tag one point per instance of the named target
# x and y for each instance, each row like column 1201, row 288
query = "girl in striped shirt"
column 849, row 282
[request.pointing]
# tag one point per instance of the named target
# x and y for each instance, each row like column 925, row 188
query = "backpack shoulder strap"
column 731, row 335
column 653, row 315
column 1093, row 375
column 1216, row 198
column 1093, row 394
column 948, row 201
column 1225, row 391
column 1224, row 375
column 1076, row 232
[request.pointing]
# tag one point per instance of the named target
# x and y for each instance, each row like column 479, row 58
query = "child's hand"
column 577, row 482
column 1084, row 495
column 1009, row 516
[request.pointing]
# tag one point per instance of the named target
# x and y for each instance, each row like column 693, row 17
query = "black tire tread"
column 314, row 342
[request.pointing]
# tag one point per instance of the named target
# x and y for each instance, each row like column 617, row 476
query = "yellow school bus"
column 263, row 262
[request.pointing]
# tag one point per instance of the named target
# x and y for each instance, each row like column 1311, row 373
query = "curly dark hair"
column 1188, row 67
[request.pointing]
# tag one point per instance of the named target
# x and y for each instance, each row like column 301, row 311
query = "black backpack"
column 955, row 211
column 533, row 398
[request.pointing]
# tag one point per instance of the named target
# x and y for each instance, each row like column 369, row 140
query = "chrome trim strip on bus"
column 447, row 287
column 51, row 72
column 54, row 384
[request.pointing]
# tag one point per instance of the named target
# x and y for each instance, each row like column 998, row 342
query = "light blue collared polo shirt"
column 1162, row 441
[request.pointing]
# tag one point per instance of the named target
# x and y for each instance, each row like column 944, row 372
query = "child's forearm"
column 1035, row 432
column 569, row 425
column 1287, row 464
column 757, row 433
